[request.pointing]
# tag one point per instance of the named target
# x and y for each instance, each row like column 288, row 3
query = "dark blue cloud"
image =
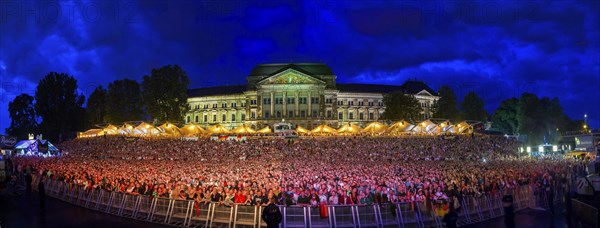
column 498, row 49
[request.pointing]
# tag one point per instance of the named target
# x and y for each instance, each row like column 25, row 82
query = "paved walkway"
column 24, row 211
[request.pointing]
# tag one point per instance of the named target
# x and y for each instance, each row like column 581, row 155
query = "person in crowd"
column 272, row 215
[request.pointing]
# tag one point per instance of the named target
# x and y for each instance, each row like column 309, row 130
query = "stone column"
column 272, row 104
column 297, row 101
column 309, row 104
column 284, row 114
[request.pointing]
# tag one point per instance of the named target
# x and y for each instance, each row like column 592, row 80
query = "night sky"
column 497, row 49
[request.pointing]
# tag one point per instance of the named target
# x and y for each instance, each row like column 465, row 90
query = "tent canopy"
column 169, row 129
column 33, row 145
column 323, row 128
column 265, row 130
column 92, row 132
column 191, row 129
column 427, row 126
column 218, row 129
column 244, row 130
column 111, row 130
column 375, row 127
column 349, row 128
column 300, row 129
column 401, row 126
column 146, row 129
column 463, row 127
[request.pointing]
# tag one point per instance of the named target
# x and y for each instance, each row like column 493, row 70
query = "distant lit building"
column 300, row 93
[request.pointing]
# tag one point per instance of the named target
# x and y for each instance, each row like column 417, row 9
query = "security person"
column 271, row 214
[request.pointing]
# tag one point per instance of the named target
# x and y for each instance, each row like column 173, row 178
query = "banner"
column 7, row 142
column 42, row 147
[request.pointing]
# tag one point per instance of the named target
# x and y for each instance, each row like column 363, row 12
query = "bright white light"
column 541, row 149
column 554, row 148
column 528, row 149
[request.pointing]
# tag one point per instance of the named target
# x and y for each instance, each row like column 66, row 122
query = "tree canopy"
column 473, row 108
column 165, row 93
column 541, row 120
column 505, row 118
column 447, row 107
column 399, row 106
column 124, row 101
column 22, row 117
column 59, row 106
column 96, row 107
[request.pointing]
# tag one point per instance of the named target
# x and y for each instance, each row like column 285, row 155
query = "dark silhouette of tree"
column 399, row 106
column 22, row 117
column 59, row 106
column 124, row 101
column 472, row 107
column 505, row 118
column 165, row 93
column 96, row 107
column 447, row 107
column 542, row 120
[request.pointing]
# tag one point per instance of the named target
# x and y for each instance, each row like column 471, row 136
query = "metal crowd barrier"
column 188, row 213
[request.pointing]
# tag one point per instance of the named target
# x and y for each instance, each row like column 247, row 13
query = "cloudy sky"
column 495, row 48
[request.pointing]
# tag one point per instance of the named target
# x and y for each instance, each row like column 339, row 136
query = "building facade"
column 304, row 94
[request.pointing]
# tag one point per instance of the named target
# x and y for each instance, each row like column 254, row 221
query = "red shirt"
column 239, row 198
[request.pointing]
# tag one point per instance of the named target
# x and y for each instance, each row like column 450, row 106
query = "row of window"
column 302, row 113
column 361, row 116
column 292, row 100
column 360, row 103
column 279, row 114
column 223, row 118
column 301, row 100
column 224, row 105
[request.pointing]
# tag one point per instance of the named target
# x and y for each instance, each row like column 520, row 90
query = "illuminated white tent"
column 111, row 130
column 192, row 129
column 400, row 127
column 91, row 133
column 323, row 129
column 243, row 130
column 463, row 127
column 126, row 129
column 375, row 128
column 169, row 129
column 302, row 130
column 145, row 129
column 349, row 129
column 425, row 127
column 265, row 130
column 218, row 129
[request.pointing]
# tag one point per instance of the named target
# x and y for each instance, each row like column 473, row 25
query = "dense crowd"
column 311, row 171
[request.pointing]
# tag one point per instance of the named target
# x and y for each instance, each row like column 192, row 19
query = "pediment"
column 424, row 93
column 290, row 76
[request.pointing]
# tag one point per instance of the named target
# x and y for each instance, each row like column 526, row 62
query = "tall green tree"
column 124, row 101
column 505, row 117
column 447, row 107
column 472, row 107
column 59, row 105
column 165, row 93
column 96, row 107
column 399, row 106
column 22, row 117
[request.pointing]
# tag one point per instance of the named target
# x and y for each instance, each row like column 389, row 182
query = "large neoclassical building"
column 304, row 94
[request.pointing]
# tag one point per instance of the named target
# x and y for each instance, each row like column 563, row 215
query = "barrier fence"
column 188, row 213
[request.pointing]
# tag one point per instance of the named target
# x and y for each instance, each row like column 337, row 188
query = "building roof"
column 217, row 90
column 409, row 87
column 307, row 68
